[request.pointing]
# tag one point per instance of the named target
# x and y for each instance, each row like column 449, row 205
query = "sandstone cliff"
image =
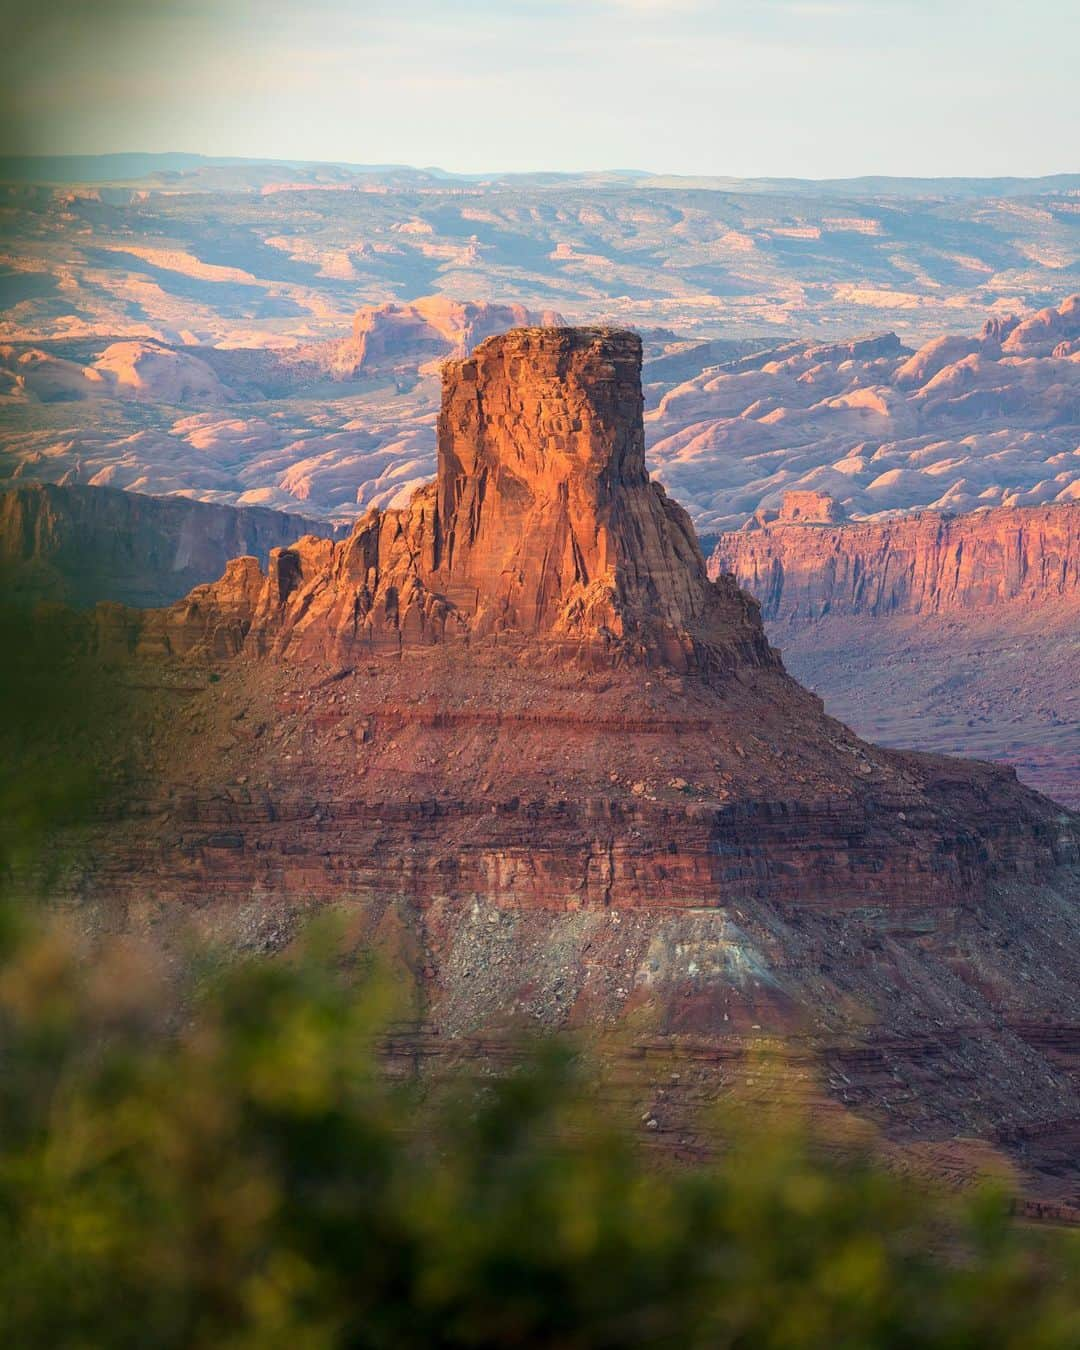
column 947, row 633
column 81, row 545
column 542, row 520
column 927, row 563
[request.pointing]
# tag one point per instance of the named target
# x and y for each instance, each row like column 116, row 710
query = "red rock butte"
column 542, row 522
column 519, row 736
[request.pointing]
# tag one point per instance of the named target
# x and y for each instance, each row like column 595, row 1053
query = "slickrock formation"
column 554, row 773
column 85, row 544
column 965, row 423
column 962, row 424
column 951, row 633
column 143, row 370
column 28, row 372
column 154, row 372
column 1041, row 333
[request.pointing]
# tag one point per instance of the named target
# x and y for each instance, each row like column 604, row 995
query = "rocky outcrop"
column 875, row 347
column 1042, row 332
column 947, row 633
column 44, row 377
column 424, row 332
column 810, row 508
column 801, row 508
column 81, row 545
column 154, row 372
column 925, row 563
column 143, row 370
column 542, row 521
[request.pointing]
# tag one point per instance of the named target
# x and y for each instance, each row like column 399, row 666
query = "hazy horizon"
column 774, row 89
column 496, row 172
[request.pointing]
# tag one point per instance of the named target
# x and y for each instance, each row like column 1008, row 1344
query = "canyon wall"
column 925, row 563
column 81, row 544
column 956, row 634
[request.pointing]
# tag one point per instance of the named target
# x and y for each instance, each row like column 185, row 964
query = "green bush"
column 233, row 1169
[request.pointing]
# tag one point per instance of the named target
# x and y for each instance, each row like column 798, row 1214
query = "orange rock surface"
column 542, row 521
column 926, row 563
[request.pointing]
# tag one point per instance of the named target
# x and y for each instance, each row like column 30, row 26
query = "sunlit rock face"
column 542, row 521
column 927, row 563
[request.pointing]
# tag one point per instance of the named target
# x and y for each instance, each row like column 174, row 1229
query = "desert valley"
column 636, row 607
column 902, row 349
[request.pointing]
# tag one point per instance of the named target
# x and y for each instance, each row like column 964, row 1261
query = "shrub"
column 234, row 1169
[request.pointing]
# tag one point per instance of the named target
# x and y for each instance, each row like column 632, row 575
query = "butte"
column 521, row 740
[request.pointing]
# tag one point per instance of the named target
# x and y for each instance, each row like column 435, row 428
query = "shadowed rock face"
column 542, row 521
column 81, row 545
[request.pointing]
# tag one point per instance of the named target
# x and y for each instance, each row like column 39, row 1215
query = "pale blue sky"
column 811, row 88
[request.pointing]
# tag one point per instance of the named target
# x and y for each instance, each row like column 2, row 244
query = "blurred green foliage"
column 54, row 700
column 236, row 1170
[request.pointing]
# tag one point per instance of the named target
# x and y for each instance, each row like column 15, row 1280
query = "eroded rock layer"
column 927, row 563
column 950, row 633
column 555, row 773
